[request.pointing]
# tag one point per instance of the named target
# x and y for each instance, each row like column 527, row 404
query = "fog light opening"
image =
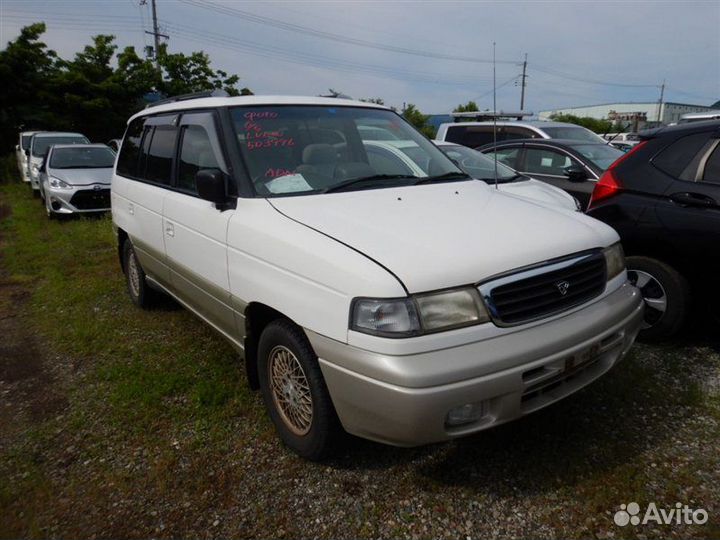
column 465, row 414
column 55, row 205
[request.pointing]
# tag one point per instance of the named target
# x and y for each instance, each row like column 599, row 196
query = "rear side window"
column 471, row 136
column 160, row 155
column 546, row 162
column 128, row 159
column 674, row 158
column 196, row 153
column 712, row 167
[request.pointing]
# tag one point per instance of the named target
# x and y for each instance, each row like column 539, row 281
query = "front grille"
column 91, row 199
column 535, row 293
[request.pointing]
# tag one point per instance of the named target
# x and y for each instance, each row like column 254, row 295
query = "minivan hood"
column 83, row 177
column 445, row 235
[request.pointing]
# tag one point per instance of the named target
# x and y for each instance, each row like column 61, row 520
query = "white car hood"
column 445, row 235
column 540, row 192
column 83, row 177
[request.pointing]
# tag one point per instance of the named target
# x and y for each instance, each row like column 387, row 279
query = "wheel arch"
column 257, row 317
column 122, row 237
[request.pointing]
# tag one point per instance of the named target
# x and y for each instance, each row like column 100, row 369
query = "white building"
column 646, row 113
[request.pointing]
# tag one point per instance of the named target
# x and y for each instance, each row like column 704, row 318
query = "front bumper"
column 78, row 199
column 513, row 373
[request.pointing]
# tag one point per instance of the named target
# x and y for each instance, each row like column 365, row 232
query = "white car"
column 405, row 308
column 21, row 153
column 40, row 142
column 482, row 167
column 476, row 134
column 75, row 178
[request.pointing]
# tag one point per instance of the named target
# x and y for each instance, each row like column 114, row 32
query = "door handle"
column 169, row 229
column 131, row 209
column 693, row 199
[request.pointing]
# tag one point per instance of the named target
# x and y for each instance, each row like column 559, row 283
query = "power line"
column 323, row 62
column 306, row 30
column 554, row 73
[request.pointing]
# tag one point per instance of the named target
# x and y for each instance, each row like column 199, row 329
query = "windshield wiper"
column 447, row 177
column 375, row 177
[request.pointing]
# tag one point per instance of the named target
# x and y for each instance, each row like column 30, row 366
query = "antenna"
column 494, row 121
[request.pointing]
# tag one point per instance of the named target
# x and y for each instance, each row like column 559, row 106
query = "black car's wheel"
column 666, row 295
column 294, row 391
column 140, row 292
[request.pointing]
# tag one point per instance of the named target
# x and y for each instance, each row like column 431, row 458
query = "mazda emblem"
column 563, row 287
column 97, row 188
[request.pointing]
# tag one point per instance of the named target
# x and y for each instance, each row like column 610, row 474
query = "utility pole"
column 156, row 32
column 522, row 86
column 660, row 103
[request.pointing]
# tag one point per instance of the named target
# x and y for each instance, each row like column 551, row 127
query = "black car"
column 663, row 198
column 571, row 165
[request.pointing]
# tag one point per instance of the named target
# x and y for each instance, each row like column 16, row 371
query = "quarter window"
column 196, row 153
column 160, row 155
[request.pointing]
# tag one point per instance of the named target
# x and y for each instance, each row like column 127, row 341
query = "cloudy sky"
column 433, row 54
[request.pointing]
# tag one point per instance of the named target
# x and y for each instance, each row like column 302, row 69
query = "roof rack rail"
column 184, row 97
column 489, row 115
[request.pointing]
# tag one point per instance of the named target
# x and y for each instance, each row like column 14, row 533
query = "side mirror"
column 575, row 173
column 17, row 147
column 211, row 185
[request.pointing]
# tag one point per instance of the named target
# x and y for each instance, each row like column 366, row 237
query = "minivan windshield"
column 93, row 157
column 576, row 133
column 295, row 150
column 479, row 165
column 40, row 145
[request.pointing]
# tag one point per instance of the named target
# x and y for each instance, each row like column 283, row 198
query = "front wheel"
column 666, row 295
column 294, row 391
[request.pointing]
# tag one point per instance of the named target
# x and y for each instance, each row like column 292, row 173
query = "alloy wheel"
column 653, row 294
column 290, row 390
column 133, row 275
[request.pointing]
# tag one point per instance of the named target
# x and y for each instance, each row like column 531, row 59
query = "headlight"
column 34, row 170
column 614, row 260
column 578, row 206
column 418, row 314
column 57, row 183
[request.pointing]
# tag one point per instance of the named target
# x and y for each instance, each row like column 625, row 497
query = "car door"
column 195, row 230
column 551, row 164
column 143, row 176
column 690, row 209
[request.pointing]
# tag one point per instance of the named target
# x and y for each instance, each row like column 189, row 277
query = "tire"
column 140, row 292
column 283, row 345
column 661, row 287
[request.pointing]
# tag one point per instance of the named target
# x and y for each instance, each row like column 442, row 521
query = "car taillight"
column 608, row 185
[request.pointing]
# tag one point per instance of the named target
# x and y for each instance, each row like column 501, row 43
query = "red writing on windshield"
column 275, row 173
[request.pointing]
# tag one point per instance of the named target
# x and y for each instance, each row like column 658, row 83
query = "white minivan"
column 404, row 308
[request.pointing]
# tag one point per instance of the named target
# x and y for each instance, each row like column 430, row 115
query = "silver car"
column 76, row 178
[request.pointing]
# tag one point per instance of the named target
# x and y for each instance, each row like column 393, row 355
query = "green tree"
column 184, row 74
column 593, row 124
column 470, row 106
column 26, row 64
column 376, row 100
column 90, row 93
column 413, row 115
